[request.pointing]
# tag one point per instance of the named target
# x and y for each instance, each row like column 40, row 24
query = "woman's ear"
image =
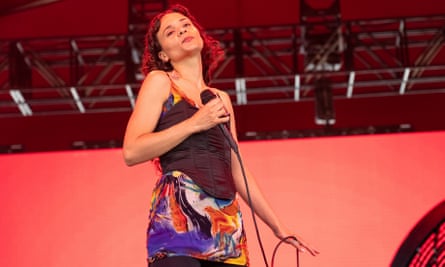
column 162, row 56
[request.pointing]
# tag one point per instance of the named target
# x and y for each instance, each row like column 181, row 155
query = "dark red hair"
column 211, row 53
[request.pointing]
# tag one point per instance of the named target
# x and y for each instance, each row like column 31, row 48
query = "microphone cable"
column 278, row 245
column 206, row 96
column 249, row 200
column 235, row 149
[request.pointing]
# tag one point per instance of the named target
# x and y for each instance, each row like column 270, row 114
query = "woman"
column 195, row 219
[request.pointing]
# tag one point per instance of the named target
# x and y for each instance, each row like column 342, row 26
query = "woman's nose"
column 182, row 31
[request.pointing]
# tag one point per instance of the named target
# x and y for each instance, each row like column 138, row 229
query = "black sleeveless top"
column 205, row 156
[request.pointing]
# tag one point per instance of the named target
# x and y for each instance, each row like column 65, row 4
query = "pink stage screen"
column 355, row 198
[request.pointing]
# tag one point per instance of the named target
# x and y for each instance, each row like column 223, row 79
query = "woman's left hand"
column 298, row 243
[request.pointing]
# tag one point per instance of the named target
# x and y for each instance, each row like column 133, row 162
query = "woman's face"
column 178, row 38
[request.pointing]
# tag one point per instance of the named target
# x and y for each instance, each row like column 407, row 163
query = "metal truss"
column 377, row 57
column 268, row 64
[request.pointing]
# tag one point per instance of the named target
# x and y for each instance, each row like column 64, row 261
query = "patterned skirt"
column 186, row 221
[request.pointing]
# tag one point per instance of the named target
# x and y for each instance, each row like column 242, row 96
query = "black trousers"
column 183, row 261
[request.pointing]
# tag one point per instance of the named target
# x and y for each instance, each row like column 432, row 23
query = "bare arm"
column 141, row 143
column 259, row 203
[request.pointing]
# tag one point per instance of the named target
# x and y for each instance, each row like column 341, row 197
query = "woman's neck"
column 189, row 71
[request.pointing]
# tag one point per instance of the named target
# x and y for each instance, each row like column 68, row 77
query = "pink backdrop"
column 355, row 198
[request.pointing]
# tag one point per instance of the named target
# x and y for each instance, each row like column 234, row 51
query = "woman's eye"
column 169, row 33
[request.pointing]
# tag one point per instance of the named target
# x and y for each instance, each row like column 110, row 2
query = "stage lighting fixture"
column 324, row 106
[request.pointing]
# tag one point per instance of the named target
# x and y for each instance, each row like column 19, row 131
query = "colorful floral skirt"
column 186, row 221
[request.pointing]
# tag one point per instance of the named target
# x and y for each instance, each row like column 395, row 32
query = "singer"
column 180, row 123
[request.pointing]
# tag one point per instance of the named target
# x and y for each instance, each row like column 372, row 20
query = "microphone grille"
column 206, row 96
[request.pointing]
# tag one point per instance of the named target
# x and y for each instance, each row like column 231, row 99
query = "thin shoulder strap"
column 175, row 89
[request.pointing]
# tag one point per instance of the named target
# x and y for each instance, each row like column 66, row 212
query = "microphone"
column 208, row 95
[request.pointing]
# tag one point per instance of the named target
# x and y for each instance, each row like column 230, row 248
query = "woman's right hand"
column 210, row 115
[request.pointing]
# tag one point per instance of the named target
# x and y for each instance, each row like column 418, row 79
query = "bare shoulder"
column 156, row 83
column 223, row 94
column 157, row 75
column 157, row 78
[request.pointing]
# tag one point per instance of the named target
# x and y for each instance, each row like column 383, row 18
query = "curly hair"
column 211, row 54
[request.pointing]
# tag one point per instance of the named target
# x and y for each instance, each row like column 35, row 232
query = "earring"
column 163, row 57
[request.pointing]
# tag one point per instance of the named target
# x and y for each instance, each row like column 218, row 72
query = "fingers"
column 217, row 111
column 303, row 246
column 312, row 251
column 210, row 115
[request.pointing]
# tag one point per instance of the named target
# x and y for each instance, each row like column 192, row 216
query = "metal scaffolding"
column 267, row 64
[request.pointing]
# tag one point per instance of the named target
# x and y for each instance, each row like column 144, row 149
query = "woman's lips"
column 187, row 39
